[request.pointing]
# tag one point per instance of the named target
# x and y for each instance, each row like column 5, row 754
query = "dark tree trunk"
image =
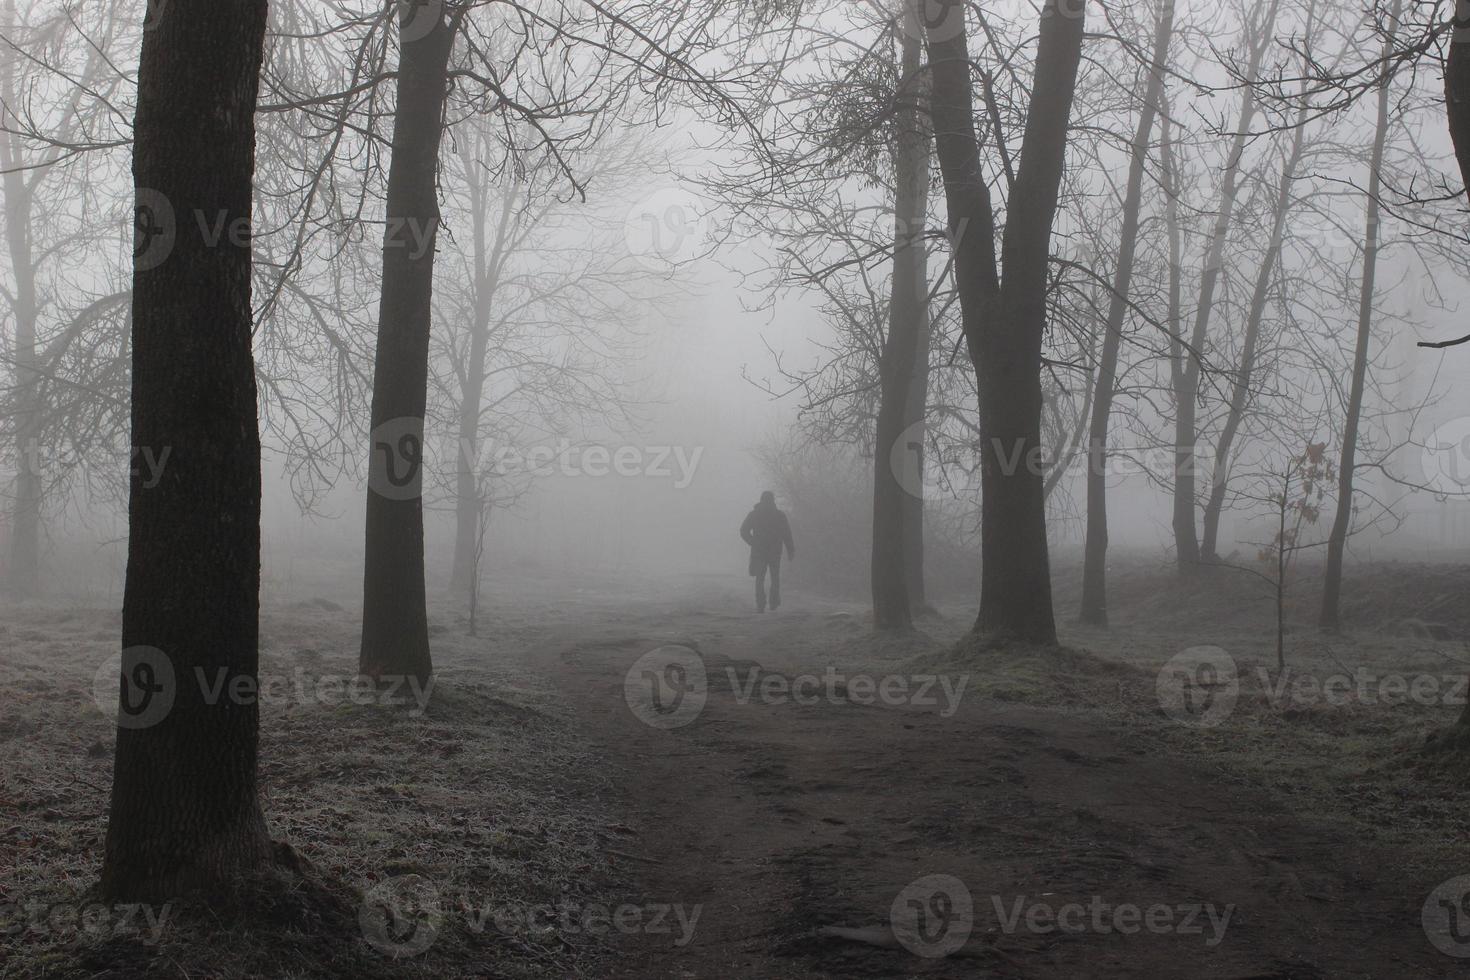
column 895, row 454
column 395, row 625
column 1004, row 322
column 184, row 812
column 1186, row 390
column 1457, row 88
column 1245, row 370
column 1457, row 105
column 1094, row 566
column 1347, row 463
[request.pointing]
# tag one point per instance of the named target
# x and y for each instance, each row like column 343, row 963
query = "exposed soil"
column 796, row 826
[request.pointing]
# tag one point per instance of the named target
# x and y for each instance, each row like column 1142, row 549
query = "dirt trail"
column 782, row 821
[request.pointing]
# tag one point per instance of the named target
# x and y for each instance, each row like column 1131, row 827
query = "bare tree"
column 1258, row 35
column 63, row 404
column 537, row 333
column 1094, row 574
column 1347, row 461
column 1004, row 320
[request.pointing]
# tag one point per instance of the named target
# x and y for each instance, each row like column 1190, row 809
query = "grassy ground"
column 480, row 794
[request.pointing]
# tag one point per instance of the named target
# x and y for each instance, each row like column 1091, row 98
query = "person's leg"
column 760, row 587
column 776, row 582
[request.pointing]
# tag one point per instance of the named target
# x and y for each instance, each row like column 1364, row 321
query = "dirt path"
column 796, row 828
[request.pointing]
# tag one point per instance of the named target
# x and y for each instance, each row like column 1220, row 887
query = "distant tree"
column 1259, row 36
column 63, row 406
column 1347, row 461
column 1094, row 572
column 184, row 813
column 536, row 323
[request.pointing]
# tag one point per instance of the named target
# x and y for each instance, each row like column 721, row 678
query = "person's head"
column 768, row 499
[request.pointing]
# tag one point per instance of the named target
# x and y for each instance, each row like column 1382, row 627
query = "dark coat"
column 766, row 530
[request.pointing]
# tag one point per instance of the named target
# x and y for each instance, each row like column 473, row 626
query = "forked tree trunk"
column 1245, row 370
column 1186, row 537
column 395, row 626
column 903, row 346
column 1094, row 567
column 184, row 813
column 1457, row 89
column 1348, row 461
column 1004, row 322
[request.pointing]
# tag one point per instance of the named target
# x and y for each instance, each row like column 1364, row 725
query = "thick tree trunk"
column 395, row 628
column 1186, row 538
column 1347, row 463
column 1457, row 88
column 903, row 347
column 184, row 812
column 1457, row 105
column 1245, row 370
column 1094, row 567
column 1004, row 323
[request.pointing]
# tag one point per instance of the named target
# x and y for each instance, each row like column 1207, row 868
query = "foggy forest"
column 703, row 489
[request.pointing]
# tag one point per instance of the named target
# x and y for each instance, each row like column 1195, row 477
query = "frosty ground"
column 528, row 822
